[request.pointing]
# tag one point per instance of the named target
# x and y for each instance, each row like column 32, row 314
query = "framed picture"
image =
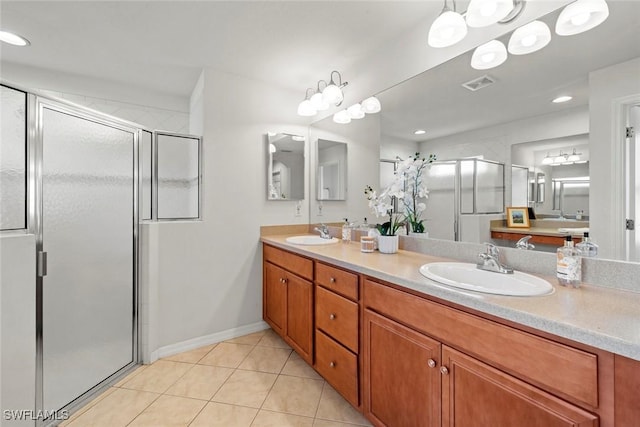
column 518, row 217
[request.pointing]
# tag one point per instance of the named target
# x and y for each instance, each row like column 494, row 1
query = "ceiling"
column 164, row 45
column 436, row 102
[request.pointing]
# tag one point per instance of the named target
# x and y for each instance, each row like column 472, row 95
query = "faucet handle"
column 492, row 249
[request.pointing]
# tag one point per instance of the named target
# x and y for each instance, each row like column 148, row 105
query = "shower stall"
column 69, row 186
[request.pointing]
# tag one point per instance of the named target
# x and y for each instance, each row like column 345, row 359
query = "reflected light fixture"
column 560, row 158
column 489, row 55
column 529, row 38
column 448, row 28
column 547, row 159
column 482, row 13
column 317, row 100
column 272, row 148
column 563, row 98
column 419, row 132
column 297, row 137
column 581, row 16
column 305, row 108
column 574, row 157
column 355, row 111
column 342, row 117
column 13, row 39
column 371, row 105
column 332, row 93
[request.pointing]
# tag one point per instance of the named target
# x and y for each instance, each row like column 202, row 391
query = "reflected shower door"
column 88, row 233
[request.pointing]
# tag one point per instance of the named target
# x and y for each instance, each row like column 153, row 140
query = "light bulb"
column 305, row 109
column 355, row 111
column 489, row 55
column 581, row 16
column 482, row 13
column 448, row 29
column 547, row 160
column 332, row 94
column 317, row 100
column 580, row 19
column 371, row 105
column 342, row 117
column 272, row 148
column 529, row 38
column 561, row 99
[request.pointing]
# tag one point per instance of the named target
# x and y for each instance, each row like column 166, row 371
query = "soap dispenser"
column 346, row 231
column 568, row 264
column 587, row 248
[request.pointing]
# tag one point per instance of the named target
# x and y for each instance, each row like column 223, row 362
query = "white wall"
column 391, row 147
column 17, row 324
column 607, row 86
column 363, row 154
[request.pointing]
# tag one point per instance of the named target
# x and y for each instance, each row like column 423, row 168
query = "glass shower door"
column 88, row 232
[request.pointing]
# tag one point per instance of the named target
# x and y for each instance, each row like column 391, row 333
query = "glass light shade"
column 355, row 111
column 482, row 13
column 489, row 55
column 573, row 158
column 297, row 137
column 448, row 29
column 318, row 102
column 529, row 38
column 272, row 148
column 581, row 16
column 332, row 95
column 306, row 109
column 560, row 159
column 547, row 160
column 342, row 117
column 371, row 105
column 13, row 39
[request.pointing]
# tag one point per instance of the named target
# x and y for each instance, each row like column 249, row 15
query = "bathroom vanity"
column 409, row 352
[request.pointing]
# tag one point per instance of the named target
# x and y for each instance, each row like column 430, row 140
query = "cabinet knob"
column 432, row 363
column 332, row 316
column 332, row 279
column 444, row 370
column 332, row 364
column 283, row 280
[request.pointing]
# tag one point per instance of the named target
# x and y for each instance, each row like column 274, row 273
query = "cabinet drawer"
column 301, row 266
column 338, row 366
column 556, row 367
column 337, row 280
column 338, row 317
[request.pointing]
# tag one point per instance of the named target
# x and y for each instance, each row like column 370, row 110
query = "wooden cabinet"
column 627, row 392
column 337, row 330
column 288, row 299
column 412, row 379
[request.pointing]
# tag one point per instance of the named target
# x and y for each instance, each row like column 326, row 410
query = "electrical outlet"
column 299, row 208
column 319, row 209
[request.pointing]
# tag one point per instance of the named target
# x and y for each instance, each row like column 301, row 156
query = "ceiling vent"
column 479, row 83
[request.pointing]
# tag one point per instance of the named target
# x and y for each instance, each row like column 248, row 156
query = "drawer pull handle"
column 332, row 316
column 444, row 370
column 332, row 279
column 432, row 363
column 332, row 364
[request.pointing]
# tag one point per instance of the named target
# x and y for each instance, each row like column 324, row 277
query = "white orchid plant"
column 409, row 188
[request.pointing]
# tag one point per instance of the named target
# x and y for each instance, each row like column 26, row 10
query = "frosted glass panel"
column 13, row 158
column 519, row 186
column 178, row 177
column 489, row 187
column 146, row 168
column 440, row 212
column 467, row 173
column 88, row 203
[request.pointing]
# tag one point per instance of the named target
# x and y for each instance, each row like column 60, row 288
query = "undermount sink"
column 311, row 240
column 468, row 276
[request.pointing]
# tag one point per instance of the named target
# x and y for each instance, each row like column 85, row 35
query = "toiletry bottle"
column 587, row 248
column 346, row 231
column 569, row 264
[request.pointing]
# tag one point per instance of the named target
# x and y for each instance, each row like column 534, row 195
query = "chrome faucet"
column 490, row 261
column 524, row 243
column 324, row 231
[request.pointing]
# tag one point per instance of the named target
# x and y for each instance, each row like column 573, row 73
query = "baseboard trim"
column 170, row 350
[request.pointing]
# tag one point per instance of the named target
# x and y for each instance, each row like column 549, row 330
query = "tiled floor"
column 254, row 380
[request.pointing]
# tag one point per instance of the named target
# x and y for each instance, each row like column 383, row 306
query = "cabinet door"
column 275, row 297
column 476, row 395
column 402, row 380
column 300, row 316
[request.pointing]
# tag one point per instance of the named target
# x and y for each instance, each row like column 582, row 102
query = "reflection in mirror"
column 331, row 176
column 520, row 193
column 285, row 166
column 595, row 67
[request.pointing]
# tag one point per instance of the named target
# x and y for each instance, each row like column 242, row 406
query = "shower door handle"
column 41, row 264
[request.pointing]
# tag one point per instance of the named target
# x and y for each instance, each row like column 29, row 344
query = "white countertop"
column 601, row 317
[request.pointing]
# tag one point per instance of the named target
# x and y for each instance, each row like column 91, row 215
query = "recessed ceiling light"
column 563, row 98
column 13, row 39
column 420, row 132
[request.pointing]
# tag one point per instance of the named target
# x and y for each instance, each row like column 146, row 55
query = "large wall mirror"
column 505, row 114
column 331, row 171
column 285, row 166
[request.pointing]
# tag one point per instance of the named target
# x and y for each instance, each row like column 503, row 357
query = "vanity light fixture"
column 529, row 38
column 332, row 93
column 371, row 105
column 547, row 159
column 574, row 157
column 305, row 108
column 13, row 39
column 355, row 111
column 581, row 16
column 419, row 132
column 560, row 158
column 489, row 55
column 561, row 99
column 317, row 100
column 342, row 117
column 563, row 158
column 482, row 13
column 448, row 28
